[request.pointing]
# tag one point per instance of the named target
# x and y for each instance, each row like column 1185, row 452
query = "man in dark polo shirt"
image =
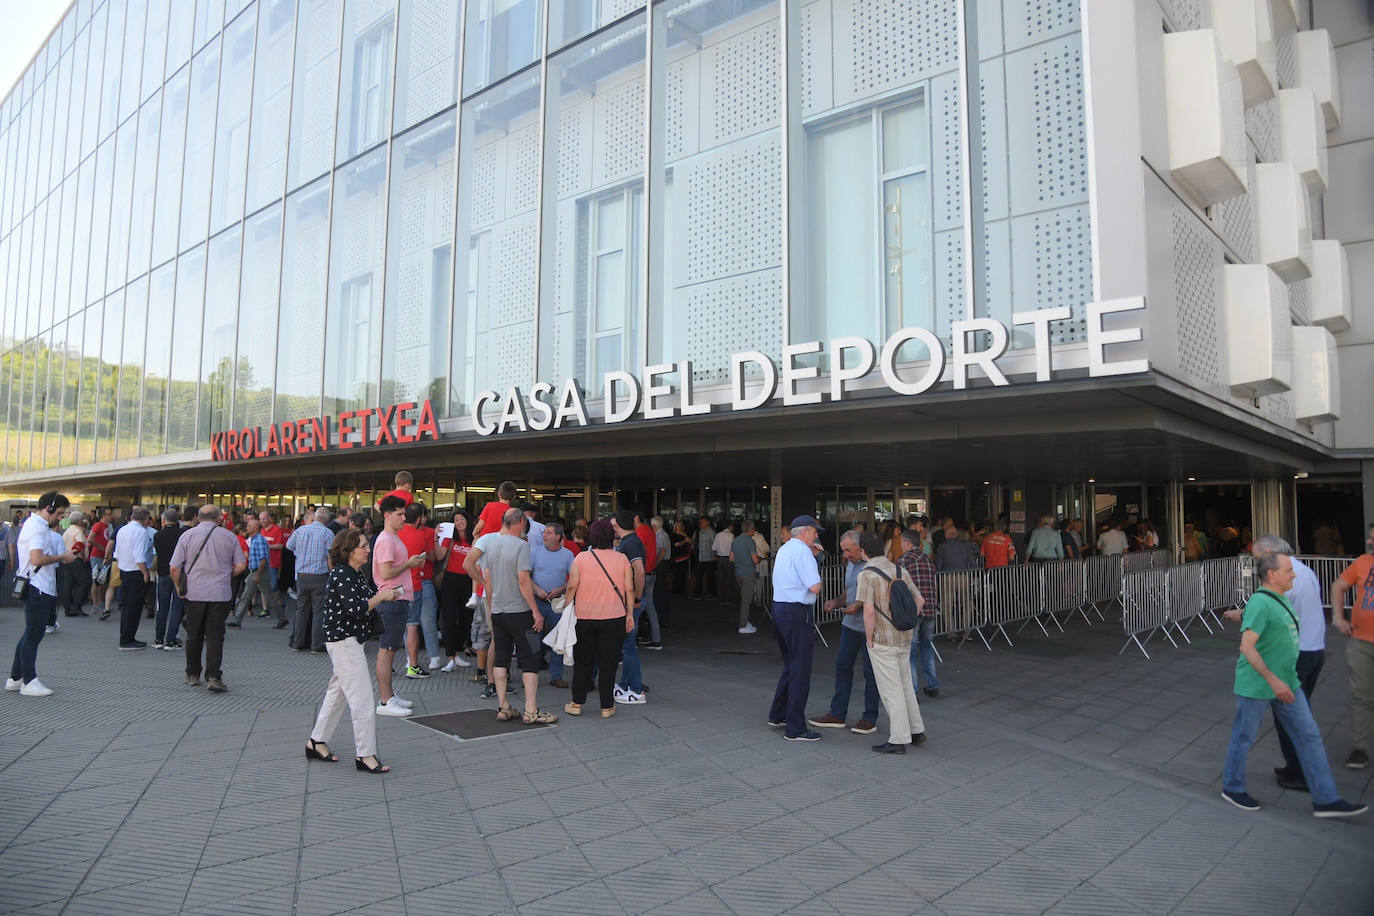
column 169, row 603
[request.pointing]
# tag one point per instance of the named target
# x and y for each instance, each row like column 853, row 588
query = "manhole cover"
column 739, row 651
column 476, row 723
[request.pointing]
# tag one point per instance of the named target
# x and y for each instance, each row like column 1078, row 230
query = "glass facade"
column 220, row 214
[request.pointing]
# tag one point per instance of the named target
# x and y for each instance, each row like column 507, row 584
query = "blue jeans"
column 169, row 611
column 631, row 675
column 550, row 621
column 923, row 655
column 429, row 619
column 1302, row 730
column 648, row 610
column 37, row 607
column 852, row 644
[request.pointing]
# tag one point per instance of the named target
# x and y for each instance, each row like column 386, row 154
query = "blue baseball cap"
column 805, row 521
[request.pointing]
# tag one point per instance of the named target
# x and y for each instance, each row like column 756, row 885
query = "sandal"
column 507, row 713
column 378, row 770
column 607, row 713
column 313, row 752
column 538, row 718
column 573, row 709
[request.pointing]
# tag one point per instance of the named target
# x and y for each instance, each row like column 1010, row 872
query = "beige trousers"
column 1359, row 660
column 892, row 671
column 351, row 686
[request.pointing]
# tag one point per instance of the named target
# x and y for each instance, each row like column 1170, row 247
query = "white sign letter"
column 616, row 411
column 654, row 390
column 868, row 355
column 888, row 362
column 570, row 405
column 791, row 374
column 541, row 413
column 1099, row 338
column 984, row 359
column 481, row 401
column 738, row 399
column 512, row 412
column 1040, row 319
column 684, row 380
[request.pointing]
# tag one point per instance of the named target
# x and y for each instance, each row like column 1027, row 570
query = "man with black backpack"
column 892, row 606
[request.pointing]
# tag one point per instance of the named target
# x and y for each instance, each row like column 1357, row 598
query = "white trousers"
column 892, row 671
column 351, row 685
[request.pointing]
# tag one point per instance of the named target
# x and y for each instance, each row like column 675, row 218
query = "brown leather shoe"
column 215, row 685
column 192, row 680
column 864, row 727
column 826, row 721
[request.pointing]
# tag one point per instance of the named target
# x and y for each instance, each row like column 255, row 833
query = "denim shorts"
column 394, row 614
column 413, row 616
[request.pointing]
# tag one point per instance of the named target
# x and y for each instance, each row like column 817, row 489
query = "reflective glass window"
column 426, row 59
column 271, row 103
column 498, row 195
column 130, row 394
column 419, row 273
column 84, row 179
column 71, row 389
column 111, row 356
column 51, row 428
column 180, row 27
column 316, row 86
column 163, row 292
column 117, row 263
column 365, row 107
column 90, row 420
column 95, row 70
column 171, row 141
column 502, row 37
column 64, row 303
column 305, row 277
column 231, row 143
column 154, row 46
column 215, row 357
column 144, row 198
column 200, row 146
column 256, row 362
column 45, row 254
column 209, row 20
column 62, row 119
column 184, row 375
column 78, row 54
column 114, row 60
column 134, row 30
column 100, row 219
column 353, row 334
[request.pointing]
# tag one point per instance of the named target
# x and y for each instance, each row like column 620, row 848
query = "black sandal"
column 375, row 771
column 313, row 752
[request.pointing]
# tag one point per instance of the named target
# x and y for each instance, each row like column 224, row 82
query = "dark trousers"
column 131, row 609
column 454, row 593
column 726, row 587
column 78, row 586
column 796, row 641
column 704, row 578
column 309, row 629
column 853, row 643
column 598, row 646
column 1309, row 669
column 680, row 570
column 205, row 628
column 37, row 607
column 661, row 599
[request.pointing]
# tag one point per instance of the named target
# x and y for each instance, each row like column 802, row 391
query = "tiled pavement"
column 1058, row 777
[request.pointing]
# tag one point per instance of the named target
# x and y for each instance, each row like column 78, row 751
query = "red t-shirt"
column 100, row 537
column 646, row 537
column 491, row 515
column 274, row 535
column 418, row 540
column 1360, row 574
column 572, row 545
column 998, row 549
column 406, row 495
column 243, row 544
column 457, row 556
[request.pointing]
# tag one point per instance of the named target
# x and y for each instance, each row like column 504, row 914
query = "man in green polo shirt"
column 1267, row 676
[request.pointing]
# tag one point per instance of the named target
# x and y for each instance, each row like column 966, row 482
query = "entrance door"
column 951, row 502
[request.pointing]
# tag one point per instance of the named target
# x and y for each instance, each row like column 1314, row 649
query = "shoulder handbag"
column 186, row 576
column 618, row 593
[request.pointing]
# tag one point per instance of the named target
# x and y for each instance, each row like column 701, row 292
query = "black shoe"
column 489, row 692
column 919, row 738
column 932, row 691
column 1242, row 800
column 104, row 615
column 262, row 614
column 280, row 624
column 1294, row 785
column 233, row 625
column 655, row 646
column 132, row 645
column 804, row 736
column 887, row 747
column 1357, row 760
column 558, row 682
column 1338, row 808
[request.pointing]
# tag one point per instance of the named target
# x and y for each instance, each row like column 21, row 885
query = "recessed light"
column 1092, row 480
column 1192, row 478
column 987, row 483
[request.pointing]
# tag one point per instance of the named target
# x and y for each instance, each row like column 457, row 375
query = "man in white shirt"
column 38, row 549
column 132, row 547
column 1112, row 542
column 725, row 570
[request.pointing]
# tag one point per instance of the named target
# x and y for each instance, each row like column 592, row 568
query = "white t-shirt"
column 1112, row 542
column 721, row 545
column 36, row 535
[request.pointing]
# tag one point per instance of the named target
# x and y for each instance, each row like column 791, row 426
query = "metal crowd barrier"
column 1102, row 580
column 1145, row 606
column 1163, row 600
column 1328, row 570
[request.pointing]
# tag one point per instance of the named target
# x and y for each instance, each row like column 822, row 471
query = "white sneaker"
column 48, row 631
column 454, row 664
column 748, row 629
column 460, row 662
column 403, row 701
column 630, row 698
column 291, row 593
column 13, row 683
column 434, row 662
column 619, row 694
column 392, row 708
column 34, row 688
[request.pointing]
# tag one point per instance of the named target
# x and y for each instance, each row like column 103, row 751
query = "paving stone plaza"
column 1058, row 777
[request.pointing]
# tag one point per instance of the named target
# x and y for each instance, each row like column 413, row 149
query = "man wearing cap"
column 796, row 583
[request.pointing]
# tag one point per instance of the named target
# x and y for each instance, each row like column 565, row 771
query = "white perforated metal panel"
column 730, row 316
column 1052, row 263
column 522, row 148
column 817, row 58
column 1045, row 110
column 1029, row 21
column 1279, row 408
column 1197, row 268
column 1300, row 301
column 883, row 44
column 512, row 292
column 1261, row 125
column 993, row 131
column 732, row 212
column 742, row 73
column 946, row 152
column 1234, row 220
column 575, row 150
column 484, row 186
column 429, row 69
column 681, row 118
column 619, row 135
column 1287, row 63
column 1182, row 15
column 949, row 281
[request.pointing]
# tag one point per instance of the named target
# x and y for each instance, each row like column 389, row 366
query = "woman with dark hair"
column 349, row 599
column 455, row 615
column 600, row 589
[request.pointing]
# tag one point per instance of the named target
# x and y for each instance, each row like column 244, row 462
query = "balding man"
column 310, row 545
column 203, row 565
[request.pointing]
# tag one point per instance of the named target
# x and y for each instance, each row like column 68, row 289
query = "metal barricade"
column 1062, row 588
column 1102, row 581
column 1012, row 593
column 1328, row 570
column 1130, row 562
column 1145, row 606
column 1185, row 595
column 1221, row 588
column 961, row 609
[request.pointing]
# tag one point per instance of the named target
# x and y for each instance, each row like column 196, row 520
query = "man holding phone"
column 391, row 568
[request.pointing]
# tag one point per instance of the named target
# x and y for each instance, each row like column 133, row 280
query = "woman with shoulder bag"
column 350, row 600
column 598, row 586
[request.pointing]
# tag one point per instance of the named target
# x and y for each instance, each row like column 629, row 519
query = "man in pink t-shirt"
column 391, row 571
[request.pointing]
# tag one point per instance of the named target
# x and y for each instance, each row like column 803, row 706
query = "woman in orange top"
column 599, row 586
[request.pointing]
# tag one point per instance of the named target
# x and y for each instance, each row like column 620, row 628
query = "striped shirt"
column 922, row 573
column 310, row 544
column 257, row 551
